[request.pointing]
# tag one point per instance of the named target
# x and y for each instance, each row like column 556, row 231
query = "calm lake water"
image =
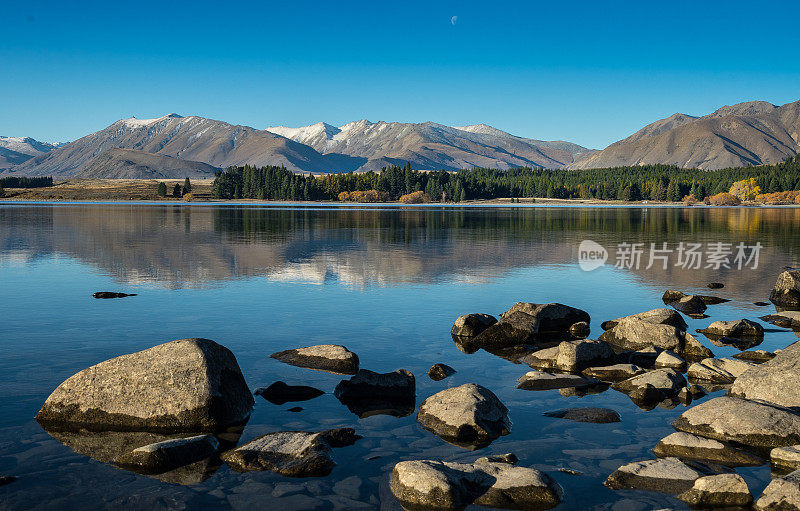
column 387, row 283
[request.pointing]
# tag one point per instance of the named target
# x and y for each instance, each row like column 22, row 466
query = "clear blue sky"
column 590, row 72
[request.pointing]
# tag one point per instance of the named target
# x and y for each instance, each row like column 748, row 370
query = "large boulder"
column 717, row 370
column 741, row 328
column 655, row 316
column 440, row 486
column 688, row 446
column 782, row 494
column 169, row 454
column 529, row 323
column 469, row 414
column 571, row 356
column 332, row 358
column 185, row 385
column 635, row 334
column 786, row 292
column 470, row 325
column 718, row 491
column 775, row 381
column 739, row 420
column 666, row 475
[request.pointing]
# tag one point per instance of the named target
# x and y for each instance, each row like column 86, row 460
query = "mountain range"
column 749, row 133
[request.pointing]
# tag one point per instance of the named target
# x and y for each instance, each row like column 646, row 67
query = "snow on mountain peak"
column 133, row 122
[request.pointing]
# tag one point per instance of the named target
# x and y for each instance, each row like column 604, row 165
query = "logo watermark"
column 689, row 256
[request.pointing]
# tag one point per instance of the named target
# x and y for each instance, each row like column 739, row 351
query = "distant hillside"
column 16, row 150
column 744, row 134
column 129, row 164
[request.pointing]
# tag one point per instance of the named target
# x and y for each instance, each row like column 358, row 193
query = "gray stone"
column 774, row 381
column 614, row 372
column 469, row 414
column 787, row 457
column 437, row 485
column 655, row 316
column 635, row 334
column 783, row 319
column 586, row 414
column 674, row 296
column 688, row 446
column 722, row 490
column 571, row 356
column 742, row 421
column 717, row 370
column 755, row 356
column 185, row 385
column 439, row 372
column 289, row 453
column 668, row 359
column 541, row 380
column 580, row 330
column 786, row 292
column 690, row 305
column 470, row 325
column 331, row 358
column 508, row 457
column 741, row 328
column 782, row 494
column 666, row 475
column 399, row 384
column 666, row 381
column 169, row 454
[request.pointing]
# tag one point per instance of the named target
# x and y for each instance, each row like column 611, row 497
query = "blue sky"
column 589, row 72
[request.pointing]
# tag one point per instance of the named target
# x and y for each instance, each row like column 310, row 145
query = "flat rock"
column 690, row 305
column 787, row 456
column 668, row 359
column 673, row 296
column 111, row 294
column 332, row 358
column 742, row 421
column 786, row 292
column 655, row 316
column 571, row 356
column 508, row 457
column 437, row 485
column 784, row 319
column 774, row 381
column 721, row 490
column 688, row 446
column 470, row 325
column 635, row 334
column 666, row 475
column 169, row 454
column 741, row 328
column 715, row 285
column 755, row 356
column 185, row 385
column 541, row 380
column 717, row 370
column 614, row 372
column 666, row 381
column 586, row 414
column 782, row 494
column 469, row 414
column 439, row 372
column 279, row 393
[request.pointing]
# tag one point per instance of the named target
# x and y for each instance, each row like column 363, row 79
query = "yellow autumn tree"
column 746, row 189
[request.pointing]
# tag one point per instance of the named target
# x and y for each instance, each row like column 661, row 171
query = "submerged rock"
column 614, row 372
column 742, row 328
column 571, row 356
column 787, row 457
column 722, row 490
column 666, row 475
column 586, row 414
column 786, row 292
column 185, row 385
column 688, row 446
column 468, row 414
column 169, row 454
column 111, row 294
column 541, row 380
column 438, row 485
column 782, row 494
column 741, row 421
column 655, row 316
column 755, row 356
column 470, row 325
column 775, row 381
column 718, row 370
column 279, row 393
column 439, row 372
column 332, row 358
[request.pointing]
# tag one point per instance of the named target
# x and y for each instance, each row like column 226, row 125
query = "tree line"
column 645, row 182
column 26, row 182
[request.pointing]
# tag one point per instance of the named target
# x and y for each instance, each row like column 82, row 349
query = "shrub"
column 725, row 199
column 415, row 198
column 746, row 189
column 690, row 199
column 188, row 197
column 778, row 197
column 364, row 196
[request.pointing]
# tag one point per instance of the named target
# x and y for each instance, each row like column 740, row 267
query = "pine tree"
column 187, row 186
column 2, row 192
column 162, row 189
column 176, row 192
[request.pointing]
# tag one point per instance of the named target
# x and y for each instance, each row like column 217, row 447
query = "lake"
column 387, row 283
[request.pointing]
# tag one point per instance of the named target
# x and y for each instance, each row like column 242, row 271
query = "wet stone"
column 169, row 454
column 586, row 414
column 687, row 446
column 614, row 372
column 541, row 380
column 279, row 393
column 439, row 372
column 781, row 494
column 331, row 358
column 755, row 356
column 718, row 491
column 666, row 475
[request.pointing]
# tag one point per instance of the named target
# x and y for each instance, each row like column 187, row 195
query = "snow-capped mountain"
column 15, row 150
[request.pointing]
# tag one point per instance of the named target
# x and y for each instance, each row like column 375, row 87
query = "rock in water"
column 715, row 285
column 668, row 359
column 690, row 305
column 587, row 414
column 655, row 316
column 185, row 385
column 775, row 381
column 470, row 325
column 635, row 334
column 782, row 494
column 111, row 294
column 786, row 292
column 440, row 486
column 399, row 384
column 784, row 319
column 666, row 381
column 666, row 475
column 540, row 380
column 332, row 358
column 439, row 372
column 723, row 490
column 614, row 372
column 741, row 421
column 279, row 393
column 788, row 457
column 755, row 356
column 718, row 370
column 580, row 330
column 742, row 328
column 168, row 455
column 4, row 480
column 469, row 414
column 687, row 446
column 289, row 453
column 571, row 356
